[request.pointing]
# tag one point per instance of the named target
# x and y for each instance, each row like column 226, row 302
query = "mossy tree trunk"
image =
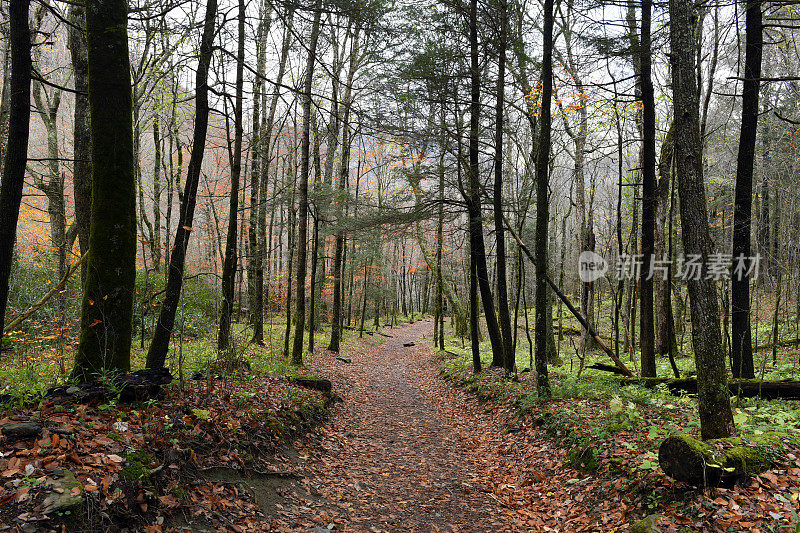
column 542, row 206
column 107, row 307
column 82, row 168
column 716, row 419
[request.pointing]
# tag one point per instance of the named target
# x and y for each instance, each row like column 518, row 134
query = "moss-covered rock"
column 65, row 494
column 583, row 459
column 646, row 525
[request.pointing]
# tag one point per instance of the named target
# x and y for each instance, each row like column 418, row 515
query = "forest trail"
column 399, row 454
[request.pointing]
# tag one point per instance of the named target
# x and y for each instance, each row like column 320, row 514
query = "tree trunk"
column 82, row 168
column 716, row 419
column 473, row 198
column 502, row 283
column 107, row 308
column 157, row 354
column 229, row 264
column 646, row 325
column 338, row 254
column 255, row 258
column 741, row 338
column 16, row 153
column 542, row 206
column 302, row 229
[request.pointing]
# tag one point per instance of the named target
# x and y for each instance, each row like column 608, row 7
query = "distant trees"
column 107, row 306
column 430, row 133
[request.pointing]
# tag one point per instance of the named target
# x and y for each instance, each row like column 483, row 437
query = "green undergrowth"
column 26, row 373
column 596, row 411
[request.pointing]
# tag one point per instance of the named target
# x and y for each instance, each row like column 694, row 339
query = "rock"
column 359, row 486
column 344, row 358
column 583, row 459
column 646, row 525
column 65, row 494
column 22, row 431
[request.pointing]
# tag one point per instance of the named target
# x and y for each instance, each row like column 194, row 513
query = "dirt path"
column 394, row 456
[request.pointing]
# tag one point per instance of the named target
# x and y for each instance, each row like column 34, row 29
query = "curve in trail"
column 393, row 457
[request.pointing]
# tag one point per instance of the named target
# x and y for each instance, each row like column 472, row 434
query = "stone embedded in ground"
column 64, row 493
column 344, row 358
column 646, row 525
column 22, row 431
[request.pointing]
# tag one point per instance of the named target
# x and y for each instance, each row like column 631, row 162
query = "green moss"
column 583, row 459
column 647, row 525
column 137, row 467
column 747, row 460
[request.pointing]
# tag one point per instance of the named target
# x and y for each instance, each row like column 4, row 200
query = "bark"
column 255, row 259
column 82, row 168
column 338, row 266
column 542, row 205
column 16, row 152
column 716, row 419
column 157, row 354
column 502, row 282
column 302, row 213
column 646, row 325
column 664, row 327
column 473, row 198
column 107, row 307
column 230, row 261
column 741, row 337
column 314, row 289
column 5, row 96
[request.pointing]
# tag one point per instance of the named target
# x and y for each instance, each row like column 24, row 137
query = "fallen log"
column 136, row 386
column 720, row 462
column 779, row 344
column 625, row 370
column 746, row 388
column 320, row 384
column 607, row 368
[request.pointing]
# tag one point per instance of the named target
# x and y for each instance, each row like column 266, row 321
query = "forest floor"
column 417, row 443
